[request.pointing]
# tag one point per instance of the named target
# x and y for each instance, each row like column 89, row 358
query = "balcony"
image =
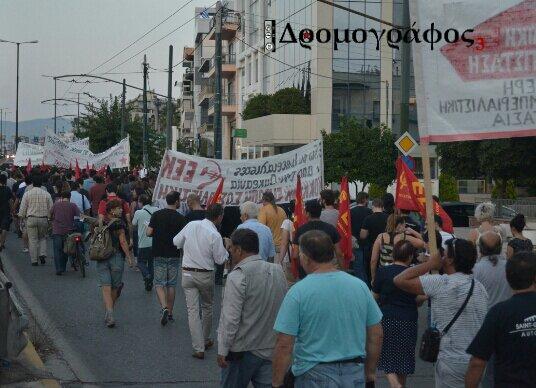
column 229, row 27
column 207, row 91
column 228, row 105
column 228, row 66
column 188, row 75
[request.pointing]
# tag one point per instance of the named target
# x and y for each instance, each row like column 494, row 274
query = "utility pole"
column 169, row 134
column 17, row 104
column 1, row 130
column 123, row 118
column 55, row 105
column 145, row 67
column 218, row 86
column 405, row 78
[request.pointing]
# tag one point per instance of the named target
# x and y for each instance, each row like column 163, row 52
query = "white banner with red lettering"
column 61, row 154
column 487, row 90
column 34, row 152
column 244, row 180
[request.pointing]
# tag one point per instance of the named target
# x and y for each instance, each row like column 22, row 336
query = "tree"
column 364, row 154
column 257, row 106
column 102, row 125
column 284, row 101
column 448, row 188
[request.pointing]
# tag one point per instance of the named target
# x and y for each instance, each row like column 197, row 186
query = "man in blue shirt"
column 89, row 182
column 328, row 324
column 249, row 212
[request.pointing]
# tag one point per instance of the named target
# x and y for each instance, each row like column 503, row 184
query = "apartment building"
column 187, row 111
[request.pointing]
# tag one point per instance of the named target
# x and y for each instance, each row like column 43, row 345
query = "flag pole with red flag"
column 216, row 198
column 344, row 224
column 77, row 173
column 298, row 220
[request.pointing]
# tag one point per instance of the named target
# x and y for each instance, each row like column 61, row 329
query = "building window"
column 254, row 10
column 471, row 186
column 256, row 69
column 249, row 73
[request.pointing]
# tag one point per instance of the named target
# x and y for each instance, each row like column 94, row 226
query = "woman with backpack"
column 395, row 231
column 110, row 270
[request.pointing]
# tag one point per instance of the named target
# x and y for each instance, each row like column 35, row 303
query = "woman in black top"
column 519, row 243
column 400, row 316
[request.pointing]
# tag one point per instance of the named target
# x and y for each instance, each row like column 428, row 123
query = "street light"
column 17, row 100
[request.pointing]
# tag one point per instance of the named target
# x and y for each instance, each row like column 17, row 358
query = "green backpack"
column 100, row 245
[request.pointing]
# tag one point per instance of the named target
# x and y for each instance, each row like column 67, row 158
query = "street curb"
column 30, row 354
column 48, row 326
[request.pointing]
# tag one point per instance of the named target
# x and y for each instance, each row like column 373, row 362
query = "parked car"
column 460, row 212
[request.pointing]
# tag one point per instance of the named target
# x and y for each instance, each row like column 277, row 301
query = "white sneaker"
column 25, row 250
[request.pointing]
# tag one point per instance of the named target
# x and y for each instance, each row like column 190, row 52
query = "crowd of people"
column 324, row 326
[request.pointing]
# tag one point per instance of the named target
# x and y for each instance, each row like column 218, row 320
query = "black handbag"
column 431, row 338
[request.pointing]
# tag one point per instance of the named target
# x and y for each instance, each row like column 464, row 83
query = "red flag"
column 216, row 198
column 29, row 166
column 102, row 170
column 410, row 195
column 344, row 224
column 77, row 173
column 43, row 166
column 299, row 219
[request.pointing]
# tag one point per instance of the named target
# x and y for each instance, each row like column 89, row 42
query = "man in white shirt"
column 203, row 247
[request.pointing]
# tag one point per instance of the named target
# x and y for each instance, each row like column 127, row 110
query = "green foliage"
column 364, row 154
column 448, row 188
column 284, row 101
column 102, row 125
column 375, row 191
column 504, row 189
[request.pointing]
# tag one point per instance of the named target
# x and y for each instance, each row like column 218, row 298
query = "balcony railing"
column 226, row 99
column 226, row 59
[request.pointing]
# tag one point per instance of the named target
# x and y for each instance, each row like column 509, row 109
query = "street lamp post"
column 17, row 98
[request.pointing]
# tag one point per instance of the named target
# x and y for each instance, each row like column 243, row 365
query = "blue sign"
column 410, row 162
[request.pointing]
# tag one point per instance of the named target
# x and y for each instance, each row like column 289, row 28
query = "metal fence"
column 13, row 321
column 525, row 206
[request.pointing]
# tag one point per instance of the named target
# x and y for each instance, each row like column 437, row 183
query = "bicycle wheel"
column 81, row 261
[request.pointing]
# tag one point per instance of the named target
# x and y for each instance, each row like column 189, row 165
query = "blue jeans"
column 360, row 271
column 60, row 258
column 250, row 368
column 146, row 262
column 332, row 376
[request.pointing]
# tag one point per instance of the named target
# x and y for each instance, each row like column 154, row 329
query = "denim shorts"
column 166, row 271
column 111, row 271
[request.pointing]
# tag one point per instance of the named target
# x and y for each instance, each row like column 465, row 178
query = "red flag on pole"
column 299, row 219
column 216, row 198
column 102, row 170
column 77, row 173
column 410, row 195
column 43, row 166
column 29, row 166
column 344, row 225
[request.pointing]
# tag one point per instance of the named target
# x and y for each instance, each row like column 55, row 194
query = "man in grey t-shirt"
column 329, row 213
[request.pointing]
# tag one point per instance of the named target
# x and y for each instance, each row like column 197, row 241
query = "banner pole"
column 432, row 241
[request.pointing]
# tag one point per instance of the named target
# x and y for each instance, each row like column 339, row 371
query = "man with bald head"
column 196, row 212
column 491, row 272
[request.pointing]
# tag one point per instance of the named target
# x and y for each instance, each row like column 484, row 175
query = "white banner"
column 61, row 154
column 34, row 152
column 487, row 90
column 244, row 180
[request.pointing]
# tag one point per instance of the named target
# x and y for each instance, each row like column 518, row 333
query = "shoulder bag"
column 431, row 338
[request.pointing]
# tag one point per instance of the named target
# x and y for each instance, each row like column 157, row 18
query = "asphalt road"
column 139, row 351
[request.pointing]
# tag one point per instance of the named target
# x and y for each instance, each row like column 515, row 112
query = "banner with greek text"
column 61, row 154
column 34, row 152
column 480, row 90
column 244, row 180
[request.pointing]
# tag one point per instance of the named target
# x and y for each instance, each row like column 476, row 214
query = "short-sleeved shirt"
column 266, row 241
column 6, row 195
column 509, row 332
column 115, row 230
column 166, row 224
column 394, row 303
column 272, row 218
column 493, row 277
column 63, row 214
column 358, row 215
column 80, row 200
column 331, row 216
column 104, row 202
column 447, row 294
column 141, row 220
column 520, row 245
column 375, row 224
column 328, row 313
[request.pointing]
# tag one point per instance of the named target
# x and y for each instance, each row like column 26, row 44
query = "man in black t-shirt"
column 313, row 210
column 358, row 215
column 196, row 212
column 164, row 225
column 373, row 225
column 509, row 331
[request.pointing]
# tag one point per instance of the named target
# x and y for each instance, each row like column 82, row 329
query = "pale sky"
column 77, row 35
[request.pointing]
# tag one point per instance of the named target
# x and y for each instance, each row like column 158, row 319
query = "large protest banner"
column 486, row 90
column 35, row 152
column 244, row 180
column 61, row 154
